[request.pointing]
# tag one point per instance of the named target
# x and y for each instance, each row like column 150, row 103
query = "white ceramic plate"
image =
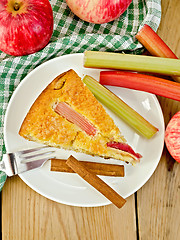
column 68, row 188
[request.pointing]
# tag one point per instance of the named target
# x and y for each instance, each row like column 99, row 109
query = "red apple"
column 98, row 11
column 172, row 136
column 26, row 26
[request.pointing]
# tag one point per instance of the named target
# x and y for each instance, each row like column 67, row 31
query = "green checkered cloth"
column 72, row 35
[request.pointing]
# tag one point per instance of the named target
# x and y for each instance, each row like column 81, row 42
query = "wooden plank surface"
column 27, row 215
column 159, row 200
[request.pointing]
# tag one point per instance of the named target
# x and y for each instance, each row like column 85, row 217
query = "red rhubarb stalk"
column 66, row 111
column 155, row 45
column 142, row 82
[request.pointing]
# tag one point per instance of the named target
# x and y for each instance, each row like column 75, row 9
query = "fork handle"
column 7, row 164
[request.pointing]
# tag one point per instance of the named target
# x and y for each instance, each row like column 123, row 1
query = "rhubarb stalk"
column 155, row 45
column 142, row 82
column 120, row 108
column 139, row 63
column 71, row 115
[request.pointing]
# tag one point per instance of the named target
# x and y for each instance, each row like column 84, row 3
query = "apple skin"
column 98, row 11
column 172, row 136
column 27, row 29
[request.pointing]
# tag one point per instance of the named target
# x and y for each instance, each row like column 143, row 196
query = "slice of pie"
column 67, row 115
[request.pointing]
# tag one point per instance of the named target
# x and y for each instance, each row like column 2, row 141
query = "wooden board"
column 159, row 199
column 27, row 215
column 152, row 213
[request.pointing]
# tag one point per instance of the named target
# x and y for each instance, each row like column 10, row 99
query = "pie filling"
column 124, row 147
column 66, row 111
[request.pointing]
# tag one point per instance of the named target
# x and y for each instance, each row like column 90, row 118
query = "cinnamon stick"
column 113, row 170
column 96, row 182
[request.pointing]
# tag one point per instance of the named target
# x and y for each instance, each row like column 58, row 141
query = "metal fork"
column 25, row 160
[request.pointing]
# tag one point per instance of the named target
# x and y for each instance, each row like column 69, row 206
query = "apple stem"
column 16, row 6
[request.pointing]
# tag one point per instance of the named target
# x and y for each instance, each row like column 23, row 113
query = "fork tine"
column 31, row 165
column 32, row 150
column 36, row 155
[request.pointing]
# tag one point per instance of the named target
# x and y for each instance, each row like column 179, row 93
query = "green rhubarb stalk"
column 120, row 108
column 155, row 45
column 140, row 63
